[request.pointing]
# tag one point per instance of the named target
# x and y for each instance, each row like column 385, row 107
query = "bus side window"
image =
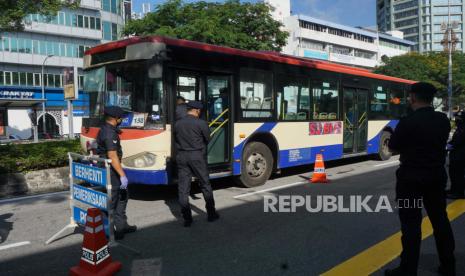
column 256, row 94
column 397, row 103
column 293, row 99
column 379, row 103
column 325, row 100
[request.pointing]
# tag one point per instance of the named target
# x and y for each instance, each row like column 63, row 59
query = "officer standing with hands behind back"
column 457, row 159
column 192, row 135
column 109, row 147
column 421, row 139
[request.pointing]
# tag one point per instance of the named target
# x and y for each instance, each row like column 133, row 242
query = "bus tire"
column 383, row 151
column 256, row 165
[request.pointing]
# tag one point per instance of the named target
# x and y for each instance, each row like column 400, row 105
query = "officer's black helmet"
column 113, row 111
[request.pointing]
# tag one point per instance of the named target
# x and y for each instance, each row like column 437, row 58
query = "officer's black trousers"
column 119, row 201
column 457, row 177
column 193, row 163
column 428, row 185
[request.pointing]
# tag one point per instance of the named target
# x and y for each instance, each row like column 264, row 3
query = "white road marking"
column 270, row 189
column 388, row 163
column 8, row 200
column 4, row 247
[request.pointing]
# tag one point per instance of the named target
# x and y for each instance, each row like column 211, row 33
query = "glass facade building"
column 65, row 36
column 422, row 21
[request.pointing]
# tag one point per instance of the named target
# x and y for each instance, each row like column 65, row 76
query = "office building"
column 55, row 43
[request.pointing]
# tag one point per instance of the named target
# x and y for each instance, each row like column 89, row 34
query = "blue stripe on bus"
column 147, row 177
column 237, row 153
column 303, row 156
column 373, row 144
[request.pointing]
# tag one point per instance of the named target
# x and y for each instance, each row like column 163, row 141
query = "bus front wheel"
column 383, row 151
column 256, row 165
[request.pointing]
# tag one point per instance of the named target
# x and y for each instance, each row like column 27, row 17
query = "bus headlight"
column 141, row 160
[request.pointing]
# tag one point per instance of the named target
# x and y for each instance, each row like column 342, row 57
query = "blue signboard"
column 316, row 54
column 80, row 215
column 90, row 197
column 90, row 174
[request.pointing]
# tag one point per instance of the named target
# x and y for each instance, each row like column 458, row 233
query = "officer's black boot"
column 212, row 215
column 119, row 235
column 130, row 228
column 187, row 215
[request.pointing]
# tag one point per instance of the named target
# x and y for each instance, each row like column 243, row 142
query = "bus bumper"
column 146, row 177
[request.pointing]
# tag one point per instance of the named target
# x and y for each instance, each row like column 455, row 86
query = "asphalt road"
column 245, row 241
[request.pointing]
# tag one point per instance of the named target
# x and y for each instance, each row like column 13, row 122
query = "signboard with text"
column 325, row 128
column 68, row 84
column 90, row 174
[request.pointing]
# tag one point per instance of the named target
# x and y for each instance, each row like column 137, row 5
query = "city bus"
column 266, row 111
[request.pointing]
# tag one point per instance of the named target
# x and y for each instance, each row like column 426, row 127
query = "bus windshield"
column 129, row 86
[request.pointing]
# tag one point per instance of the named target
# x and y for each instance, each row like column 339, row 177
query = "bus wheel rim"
column 256, row 164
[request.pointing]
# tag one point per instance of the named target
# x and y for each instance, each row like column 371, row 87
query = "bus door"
column 218, row 110
column 214, row 91
column 355, row 116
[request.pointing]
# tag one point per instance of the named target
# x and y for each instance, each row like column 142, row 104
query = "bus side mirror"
column 155, row 71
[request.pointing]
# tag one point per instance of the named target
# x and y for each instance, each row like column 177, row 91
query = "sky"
column 347, row 12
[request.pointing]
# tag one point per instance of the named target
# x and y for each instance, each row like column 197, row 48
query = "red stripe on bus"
column 127, row 134
column 275, row 57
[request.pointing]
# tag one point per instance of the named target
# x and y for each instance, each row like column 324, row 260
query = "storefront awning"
column 20, row 103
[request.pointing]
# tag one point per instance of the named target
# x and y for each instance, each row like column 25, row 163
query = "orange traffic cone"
column 95, row 258
column 319, row 174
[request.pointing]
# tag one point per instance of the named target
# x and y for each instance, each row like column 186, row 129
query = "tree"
column 13, row 12
column 429, row 67
column 246, row 26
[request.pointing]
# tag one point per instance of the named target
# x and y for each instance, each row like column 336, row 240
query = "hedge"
column 30, row 157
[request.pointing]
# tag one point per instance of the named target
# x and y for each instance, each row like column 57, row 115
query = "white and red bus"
column 266, row 111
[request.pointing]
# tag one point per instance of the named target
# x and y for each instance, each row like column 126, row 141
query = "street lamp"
column 449, row 42
column 43, row 94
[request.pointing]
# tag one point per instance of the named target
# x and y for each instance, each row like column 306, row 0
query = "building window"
column 6, row 43
column 98, row 24
column 92, row 23
column 30, row 79
column 106, row 5
column 256, row 93
column 114, row 32
column 80, row 21
column 2, row 78
column 22, row 78
column 37, row 79
column 15, row 78
column 7, row 78
column 106, row 26
column 325, row 100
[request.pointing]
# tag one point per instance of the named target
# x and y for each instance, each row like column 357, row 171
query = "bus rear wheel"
column 256, row 165
column 383, row 151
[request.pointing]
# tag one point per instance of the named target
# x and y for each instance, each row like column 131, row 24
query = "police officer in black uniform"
column 192, row 136
column 108, row 146
column 421, row 140
column 457, row 159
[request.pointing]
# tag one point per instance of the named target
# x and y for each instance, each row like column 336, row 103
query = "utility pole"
column 449, row 42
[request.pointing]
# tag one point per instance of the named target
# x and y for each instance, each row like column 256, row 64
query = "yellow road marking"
column 380, row 254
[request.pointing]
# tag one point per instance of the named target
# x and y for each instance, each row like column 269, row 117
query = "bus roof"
column 262, row 55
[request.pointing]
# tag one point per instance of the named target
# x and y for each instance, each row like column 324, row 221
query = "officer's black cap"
column 114, row 111
column 423, row 87
column 194, row 105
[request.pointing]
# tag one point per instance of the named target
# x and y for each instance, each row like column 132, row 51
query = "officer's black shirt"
column 108, row 140
column 421, row 139
column 191, row 134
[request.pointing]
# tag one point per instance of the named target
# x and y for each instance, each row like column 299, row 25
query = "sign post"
column 71, row 89
column 87, row 174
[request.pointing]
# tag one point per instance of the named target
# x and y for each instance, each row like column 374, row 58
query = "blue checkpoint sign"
column 80, row 216
column 90, row 197
column 94, row 175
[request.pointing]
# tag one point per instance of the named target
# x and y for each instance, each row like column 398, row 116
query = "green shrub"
column 30, row 157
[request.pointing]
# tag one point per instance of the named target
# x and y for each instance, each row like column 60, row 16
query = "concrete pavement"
column 244, row 241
